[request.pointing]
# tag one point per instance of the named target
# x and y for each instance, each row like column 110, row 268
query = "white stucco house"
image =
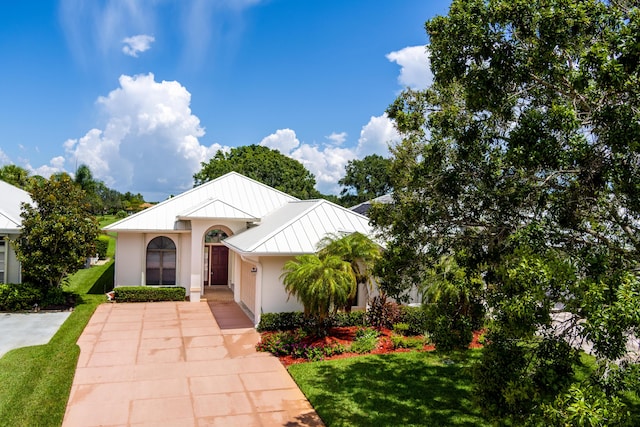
column 11, row 199
column 232, row 231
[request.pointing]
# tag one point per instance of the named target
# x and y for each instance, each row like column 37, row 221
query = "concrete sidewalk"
column 170, row 364
column 27, row 329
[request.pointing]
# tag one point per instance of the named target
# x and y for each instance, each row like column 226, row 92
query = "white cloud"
column 337, row 138
column 376, row 136
column 4, row 159
column 149, row 142
column 415, row 71
column 137, row 44
column 284, row 140
column 327, row 161
column 55, row 165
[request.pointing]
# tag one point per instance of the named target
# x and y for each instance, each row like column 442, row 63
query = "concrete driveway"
column 171, row 364
column 26, row 329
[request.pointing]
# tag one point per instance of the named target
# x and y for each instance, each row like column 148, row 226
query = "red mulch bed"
column 346, row 335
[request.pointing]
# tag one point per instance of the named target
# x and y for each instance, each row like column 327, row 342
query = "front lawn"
column 408, row 389
column 35, row 381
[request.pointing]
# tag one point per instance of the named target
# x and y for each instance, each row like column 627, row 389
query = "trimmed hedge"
column 288, row 321
column 416, row 320
column 149, row 293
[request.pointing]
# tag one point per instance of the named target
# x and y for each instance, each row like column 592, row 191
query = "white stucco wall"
column 12, row 268
column 274, row 296
column 129, row 259
column 183, row 257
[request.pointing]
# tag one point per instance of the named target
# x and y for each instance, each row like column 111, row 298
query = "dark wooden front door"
column 218, row 265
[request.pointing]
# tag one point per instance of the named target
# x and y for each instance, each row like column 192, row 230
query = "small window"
column 161, row 261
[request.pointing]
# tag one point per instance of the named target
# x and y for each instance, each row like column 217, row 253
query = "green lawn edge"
column 36, row 381
column 408, row 389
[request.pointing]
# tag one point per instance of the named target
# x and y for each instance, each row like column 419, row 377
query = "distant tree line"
column 364, row 179
column 100, row 199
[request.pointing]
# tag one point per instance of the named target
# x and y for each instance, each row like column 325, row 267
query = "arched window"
column 161, row 261
column 215, row 236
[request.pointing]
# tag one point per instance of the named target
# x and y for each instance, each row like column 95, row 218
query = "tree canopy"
column 264, row 165
column 58, row 232
column 16, row 175
column 522, row 161
column 365, row 179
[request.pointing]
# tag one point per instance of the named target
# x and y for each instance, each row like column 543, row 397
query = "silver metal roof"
column 11, row 198
column 216, row 209
column 232, row 196
column 297, row 228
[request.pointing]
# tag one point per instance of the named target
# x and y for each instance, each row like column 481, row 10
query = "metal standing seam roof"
column 231, row 194
column 215, row 208
column 297, row 228
column 11, row 198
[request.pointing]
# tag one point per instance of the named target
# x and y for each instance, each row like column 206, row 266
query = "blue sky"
column 143, row 91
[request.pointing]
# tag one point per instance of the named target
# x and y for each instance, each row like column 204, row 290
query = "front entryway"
column 216, row 265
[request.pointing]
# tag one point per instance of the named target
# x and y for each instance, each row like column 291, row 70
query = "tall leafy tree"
column 524, row 155
column 15, row 175
column 365, row 179
column 262, row 164
column 84, row 178
column 58, row 232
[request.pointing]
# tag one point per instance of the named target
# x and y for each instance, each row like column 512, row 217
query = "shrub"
column 400, row 341
column 281, row 343
column 366, row 340
column 334, row 349
column 149, row 293
column 382, row 313
column 452, row 333
column 416, row 317
column 280, row 321
column 102, row 245
column 401, row 328
column 121, row 214
column 354, row 318
column 56, row 298
column 289, row 321
column 19, row 296
column 291, row 343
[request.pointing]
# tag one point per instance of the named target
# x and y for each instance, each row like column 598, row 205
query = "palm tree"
column 321, row 283
column 359, row 251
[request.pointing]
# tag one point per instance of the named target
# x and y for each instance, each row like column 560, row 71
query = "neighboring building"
column 11, row 199
column 363, row 208
column 231, row 231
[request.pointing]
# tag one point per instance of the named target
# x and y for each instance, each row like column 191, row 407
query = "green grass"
column 408, row 389
column 35, row 381
column 105, row 220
